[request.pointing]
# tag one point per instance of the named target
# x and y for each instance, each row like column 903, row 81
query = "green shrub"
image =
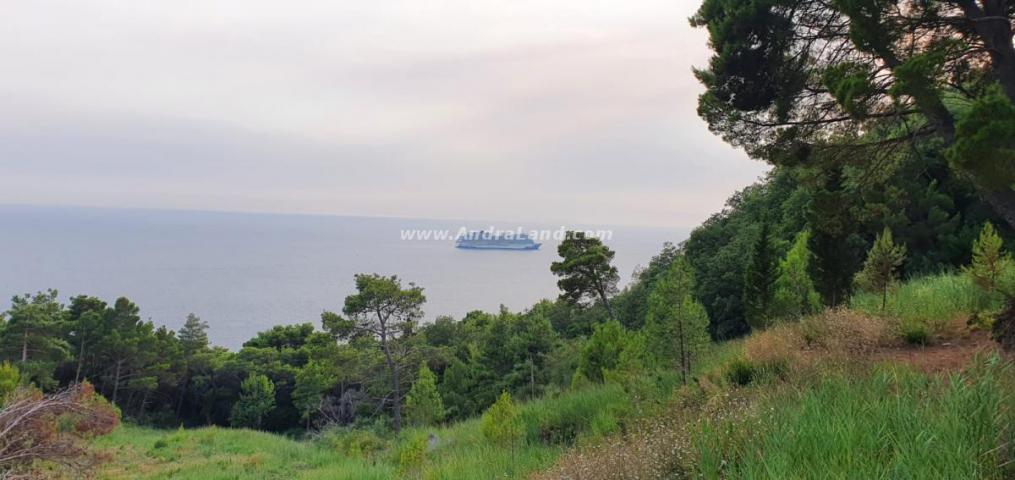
column 915, row 333
column 9, row 379
column 740, row 371
column 500, row 424
column 561, row 421
column 412, row 454
column 353, row 443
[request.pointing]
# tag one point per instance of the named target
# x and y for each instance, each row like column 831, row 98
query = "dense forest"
column 795, row 225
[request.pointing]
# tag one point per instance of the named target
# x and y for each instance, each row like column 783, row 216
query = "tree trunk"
column 606, row 302
column 1003, row 203
column 991, row 24
column 680, row 343
column 116, row 382
column 81, row 361
column 884, row 298
column 24, row 348
column 396, row 409
column 532, row 376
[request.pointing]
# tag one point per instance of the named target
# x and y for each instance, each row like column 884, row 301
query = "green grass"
column 925, row 305
column 551, row 426
column 892, row 424
column 219, row 453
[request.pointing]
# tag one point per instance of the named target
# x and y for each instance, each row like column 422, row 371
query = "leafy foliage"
column 676, row 328
column 795, row 295
column 257, row 398
column 423, row 404
column 501, row 424
column 585, row 269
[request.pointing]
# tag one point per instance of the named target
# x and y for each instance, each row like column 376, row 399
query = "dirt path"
column 949, row 355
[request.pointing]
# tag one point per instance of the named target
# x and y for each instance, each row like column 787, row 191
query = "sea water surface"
column 244, row 272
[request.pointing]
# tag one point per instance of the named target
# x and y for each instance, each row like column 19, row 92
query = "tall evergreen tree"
column 989, row 260
column 423, row 405
column 33, row 336
column 383, row 310
column 881, row 268
column 759, row 279
column 194, row 334
column 586, row 270
column 677, row 325
column 838, row 250
column 86, row 330
column 795, row 295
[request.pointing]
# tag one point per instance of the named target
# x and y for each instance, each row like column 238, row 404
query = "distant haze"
column 525, row 110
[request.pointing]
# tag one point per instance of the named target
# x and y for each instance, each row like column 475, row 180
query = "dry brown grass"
column 659, row 447
column 778, row 347
column 845, row 332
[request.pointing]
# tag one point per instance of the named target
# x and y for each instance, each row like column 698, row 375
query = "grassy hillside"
column 461, row 451
column 848, row 393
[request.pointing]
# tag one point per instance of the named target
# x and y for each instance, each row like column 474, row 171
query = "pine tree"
column 501, row 423
column 677, row 325
column 194, row 334
column 795, row 295
column 881, row 268
column 33, row 336
column 423, row 405
column 257, row 398
column 602, row 350
column 989, row 261
column 759, row 280
column 586, row 270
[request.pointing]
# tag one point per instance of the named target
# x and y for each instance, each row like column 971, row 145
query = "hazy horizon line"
column 3, row 205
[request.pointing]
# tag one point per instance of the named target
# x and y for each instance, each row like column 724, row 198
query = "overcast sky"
column 548, row 110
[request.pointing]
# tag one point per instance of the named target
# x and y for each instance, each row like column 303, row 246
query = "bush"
column 915, row 333
column 740, row 371
column 9, row 379
column 562, row 420
column 500, row 424
column 353, row 443
column 412, row 455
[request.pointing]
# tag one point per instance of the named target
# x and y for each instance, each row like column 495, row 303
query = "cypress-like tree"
column 881, row 268
column 423, row 405
column 795, row 295
column 759, row 280
column 194, row 334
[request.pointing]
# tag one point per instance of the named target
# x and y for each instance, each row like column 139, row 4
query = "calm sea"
column 246, row 272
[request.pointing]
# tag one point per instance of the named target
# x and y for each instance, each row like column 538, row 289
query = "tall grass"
column 892, row 424
column 460, row 451
column 218, row 453
column 927, row 303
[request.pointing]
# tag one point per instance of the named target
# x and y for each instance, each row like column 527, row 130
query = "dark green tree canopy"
column 586, row 270
column 800, row 80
